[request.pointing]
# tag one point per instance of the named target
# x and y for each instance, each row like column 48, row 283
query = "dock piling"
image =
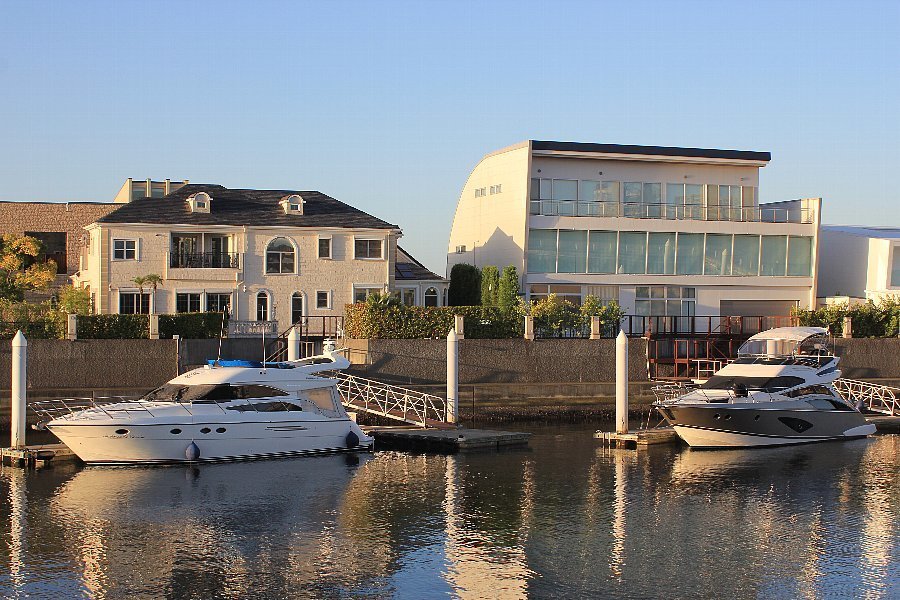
column 621, row 382
column 18, row 396
column 452, row 377
column 293, row 349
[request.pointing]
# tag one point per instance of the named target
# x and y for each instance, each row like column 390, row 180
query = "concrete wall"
column 515, row 361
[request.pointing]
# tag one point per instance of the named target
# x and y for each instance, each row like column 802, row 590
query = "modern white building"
column 664, row 231
column 863, row 264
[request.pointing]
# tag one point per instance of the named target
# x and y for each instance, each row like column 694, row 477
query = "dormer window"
column 293, row 204
column 199, row 202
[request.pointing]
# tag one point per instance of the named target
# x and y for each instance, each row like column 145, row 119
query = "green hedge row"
column 869, row 319
column 51, row 324
column 417, row 322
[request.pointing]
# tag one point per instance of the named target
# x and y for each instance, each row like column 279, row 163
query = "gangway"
column 873, row 397
column 389, row 401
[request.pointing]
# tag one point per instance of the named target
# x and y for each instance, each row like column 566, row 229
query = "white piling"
column 459, row 324
column 621, row 382
column 154, row 327
column 19, row 362
column 452, row 377
column 71, row 327
column 595, row 327
column 293, row 343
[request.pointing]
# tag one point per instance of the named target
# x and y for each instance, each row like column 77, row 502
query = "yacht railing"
column 390, row 401
column 107, row 407
column 873, row 397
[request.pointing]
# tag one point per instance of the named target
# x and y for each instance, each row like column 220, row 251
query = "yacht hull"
column 158, row 443
column 717, row 426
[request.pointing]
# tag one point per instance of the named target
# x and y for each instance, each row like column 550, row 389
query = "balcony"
column 794, row 211
column 204, row 260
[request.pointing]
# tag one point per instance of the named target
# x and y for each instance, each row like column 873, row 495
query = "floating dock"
column 639, row 438
column 36, row 456
column 444, row 440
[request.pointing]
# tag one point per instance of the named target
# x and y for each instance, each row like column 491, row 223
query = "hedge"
column 194, row 326
column 417, row 322
column 869, row 319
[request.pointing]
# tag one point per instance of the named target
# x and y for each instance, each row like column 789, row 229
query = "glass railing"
column 205, row 260
column 793, row 213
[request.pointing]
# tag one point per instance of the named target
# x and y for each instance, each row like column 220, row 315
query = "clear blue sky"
column 388, row 105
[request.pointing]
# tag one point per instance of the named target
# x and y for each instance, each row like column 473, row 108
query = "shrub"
column 109, row 327
column 610, row 314
column 508, row 288
column 555, row 317
column 418, row 322
column 869, row 319
column 193, row 326
column 490, row 283
column 74, row 300
column 465, row 285
column 34, row 320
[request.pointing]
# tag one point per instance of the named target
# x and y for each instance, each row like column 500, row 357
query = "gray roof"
column 408, row 268
column 244, row 207
column 651, row 150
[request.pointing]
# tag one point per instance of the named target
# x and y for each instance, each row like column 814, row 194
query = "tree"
column 20, row 270
column 382, row 300
column 490, row 283
column 153, row 281
column 508, row 288
column 465, row 285
column 74, row 300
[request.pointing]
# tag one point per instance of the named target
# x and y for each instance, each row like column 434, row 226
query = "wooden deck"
column 37, row 456
column 640, row 438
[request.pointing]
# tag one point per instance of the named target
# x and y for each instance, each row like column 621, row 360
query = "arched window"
column 262, row 306
column 296, row 307
column 280, row 256
column 431, row 297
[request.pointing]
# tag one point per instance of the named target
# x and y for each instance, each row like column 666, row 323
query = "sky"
column 389, row 105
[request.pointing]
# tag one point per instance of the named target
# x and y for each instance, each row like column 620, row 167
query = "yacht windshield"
column 210, row 393
column 764, row 384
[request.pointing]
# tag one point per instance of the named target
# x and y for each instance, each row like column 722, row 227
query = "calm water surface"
column 566, row 518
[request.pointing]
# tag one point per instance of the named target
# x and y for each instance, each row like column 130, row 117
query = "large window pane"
column 542, row 251
column 674, row 199
column 693, row 201
column 535, row 189
column 572, row 252
column 718, row 254
column 545, row 189
column 652, row 200
column 590, row 191
column 712, row 202
column 799, row 261
column 661, row 254
column 774, row 255
column 689, row 260
column 632, row 252
column 565, row 189
column 746, row 255
column 632, row 199
column 602, row 252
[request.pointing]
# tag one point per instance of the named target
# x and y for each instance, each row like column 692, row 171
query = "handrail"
column 390, row 401
column 875, row 397
column 204, row 260
column 677, row 212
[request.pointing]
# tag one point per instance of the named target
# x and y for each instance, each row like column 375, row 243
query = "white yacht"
column 779, row 391
column 225, row 410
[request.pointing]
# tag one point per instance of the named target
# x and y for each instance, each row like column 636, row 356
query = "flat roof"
column 862, row 231
column 650, row 150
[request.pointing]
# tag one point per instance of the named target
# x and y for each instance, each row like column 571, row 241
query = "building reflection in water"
column 566, row 518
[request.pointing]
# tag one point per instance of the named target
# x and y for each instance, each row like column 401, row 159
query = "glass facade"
column 895, row 267
column 667, row 253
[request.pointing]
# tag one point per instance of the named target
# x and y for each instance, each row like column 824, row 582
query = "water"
column 565, row 518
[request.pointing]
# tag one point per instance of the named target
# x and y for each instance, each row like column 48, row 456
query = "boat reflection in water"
column 564, row 519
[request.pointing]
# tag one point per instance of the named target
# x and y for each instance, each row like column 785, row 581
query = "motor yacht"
column 225, row 410
column 780, row 390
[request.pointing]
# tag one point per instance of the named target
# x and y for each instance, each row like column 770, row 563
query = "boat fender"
column 192, row 452
column 352, row 440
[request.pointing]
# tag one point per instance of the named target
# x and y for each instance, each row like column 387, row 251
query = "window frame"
column 134, row 292
column 330, row 241
column 295, row 254
column 368, row 240
column 328, row 300
column 125, row 249
column 200, row 302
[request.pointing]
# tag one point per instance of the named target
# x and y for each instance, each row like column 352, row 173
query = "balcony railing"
column 205, row 260
column 252, row 328
column 692, row 212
